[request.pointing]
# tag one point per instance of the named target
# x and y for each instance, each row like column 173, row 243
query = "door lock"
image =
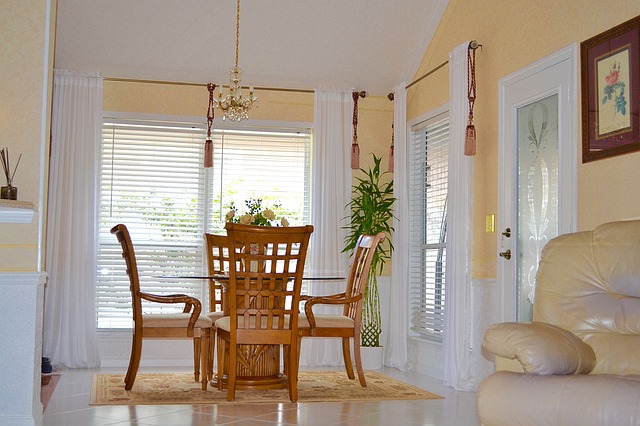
column 506, row 254
column 507, row 232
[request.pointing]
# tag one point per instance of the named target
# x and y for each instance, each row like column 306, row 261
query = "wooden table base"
column 258, row 367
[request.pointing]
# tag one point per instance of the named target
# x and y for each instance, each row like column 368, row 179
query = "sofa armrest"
column 541, row 348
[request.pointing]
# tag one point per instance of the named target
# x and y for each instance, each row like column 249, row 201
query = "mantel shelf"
column 12, row 211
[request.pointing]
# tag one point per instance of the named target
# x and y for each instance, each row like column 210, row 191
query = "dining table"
column 257, row 366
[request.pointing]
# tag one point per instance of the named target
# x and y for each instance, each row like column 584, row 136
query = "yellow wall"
column 375, row 113
column 514, row 34
column 25, row 68
column 374, row 119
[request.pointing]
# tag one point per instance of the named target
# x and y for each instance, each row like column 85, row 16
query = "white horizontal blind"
column 428, row 223
column 261, row 163
column 152, row 179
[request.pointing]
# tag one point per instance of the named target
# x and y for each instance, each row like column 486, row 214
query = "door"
column 537, row 172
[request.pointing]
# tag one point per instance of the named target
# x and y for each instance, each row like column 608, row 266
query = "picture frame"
column 610, row 73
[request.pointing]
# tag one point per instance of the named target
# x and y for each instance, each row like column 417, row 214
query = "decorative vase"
column 9, row 192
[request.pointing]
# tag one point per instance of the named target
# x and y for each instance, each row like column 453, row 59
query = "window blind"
column 268, row 164
column 428, row 226
column 152, row 179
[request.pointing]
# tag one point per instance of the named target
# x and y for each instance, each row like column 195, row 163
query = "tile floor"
column 69, row 406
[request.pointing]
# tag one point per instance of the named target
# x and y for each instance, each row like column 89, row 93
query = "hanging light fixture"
column 234, row 105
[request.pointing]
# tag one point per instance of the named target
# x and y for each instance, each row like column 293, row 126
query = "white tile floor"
column 69, row 406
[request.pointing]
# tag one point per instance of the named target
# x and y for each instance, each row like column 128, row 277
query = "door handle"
column 506, row 254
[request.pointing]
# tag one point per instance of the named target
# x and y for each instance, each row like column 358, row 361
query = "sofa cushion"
column 588, row 282
column 541, row 348
column 507, row 398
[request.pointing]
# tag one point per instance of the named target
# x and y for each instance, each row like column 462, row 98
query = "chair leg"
column 134, row 360
column 231, row 368
column 221, row 350
column 196, row 357
column 356, row 353
column 292, row 376
column 206, row 336
column 346, row 355
column 212, row 352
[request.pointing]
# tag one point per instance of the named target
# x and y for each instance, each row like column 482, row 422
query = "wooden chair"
column 347, row 325
column 186, row 325
column 218, row 264
column 265, row 279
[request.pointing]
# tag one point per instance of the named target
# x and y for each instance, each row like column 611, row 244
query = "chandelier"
column 234, row 104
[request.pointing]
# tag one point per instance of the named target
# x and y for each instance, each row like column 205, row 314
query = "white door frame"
column 554, row 74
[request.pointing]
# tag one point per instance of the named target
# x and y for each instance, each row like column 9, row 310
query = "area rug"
column 313, row 386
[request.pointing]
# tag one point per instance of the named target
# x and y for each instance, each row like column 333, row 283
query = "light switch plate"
column 490, row 223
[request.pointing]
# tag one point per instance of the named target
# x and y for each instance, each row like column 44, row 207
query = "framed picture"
column 610, row 71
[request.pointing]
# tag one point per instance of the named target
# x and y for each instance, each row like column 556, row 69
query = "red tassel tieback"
column 355, row 156
column 208, row 153
column 470, row 141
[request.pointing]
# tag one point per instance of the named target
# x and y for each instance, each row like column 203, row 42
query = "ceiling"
column 367, row 45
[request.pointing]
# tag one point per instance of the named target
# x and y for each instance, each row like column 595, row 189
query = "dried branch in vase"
column 6, row 166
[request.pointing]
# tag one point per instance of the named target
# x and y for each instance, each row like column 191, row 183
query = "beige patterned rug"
column 154, row 389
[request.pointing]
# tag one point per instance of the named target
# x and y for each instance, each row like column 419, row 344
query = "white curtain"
column 458, row 371
column 331, row 189
column 396, row 345
column 69, row 319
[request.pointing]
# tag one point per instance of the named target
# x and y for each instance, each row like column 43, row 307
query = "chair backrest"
column 265, row 279
column 359, row 272
column 588, row 282
column 218, row 263
column 122, row 233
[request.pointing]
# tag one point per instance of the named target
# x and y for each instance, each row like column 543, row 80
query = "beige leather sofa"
column 581, row 356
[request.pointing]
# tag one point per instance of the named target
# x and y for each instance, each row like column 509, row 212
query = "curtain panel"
column 331, row 191
column 458, row 371
column 396, row 345
column 69, row 317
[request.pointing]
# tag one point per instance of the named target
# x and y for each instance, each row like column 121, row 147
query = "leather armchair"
column 579, row 359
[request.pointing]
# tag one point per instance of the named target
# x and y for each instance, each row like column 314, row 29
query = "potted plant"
column 371, row 212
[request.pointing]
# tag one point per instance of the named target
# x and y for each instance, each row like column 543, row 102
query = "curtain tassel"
column 355, row 149
column 470, row 136
column 355, row 156
column 208, row 144
column 470, row 141
column 208, row 153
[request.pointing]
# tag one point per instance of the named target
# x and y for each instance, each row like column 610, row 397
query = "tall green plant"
column 371, row 212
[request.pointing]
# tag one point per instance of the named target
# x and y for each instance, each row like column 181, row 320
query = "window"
column 152, row 180
column 428, row 226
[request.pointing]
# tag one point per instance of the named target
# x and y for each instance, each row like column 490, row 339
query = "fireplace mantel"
column 12, row 211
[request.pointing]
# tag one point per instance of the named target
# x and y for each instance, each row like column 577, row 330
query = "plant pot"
column 372, row 357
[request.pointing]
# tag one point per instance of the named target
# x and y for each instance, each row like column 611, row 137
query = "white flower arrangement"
column 255, row 214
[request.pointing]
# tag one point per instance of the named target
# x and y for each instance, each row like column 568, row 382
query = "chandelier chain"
column 237, row 31
column 234, row 104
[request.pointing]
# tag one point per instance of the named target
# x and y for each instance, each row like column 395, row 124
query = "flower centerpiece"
column 256, row 214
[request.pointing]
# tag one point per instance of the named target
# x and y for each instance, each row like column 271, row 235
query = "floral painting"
column 610, row 80
column 614, row 89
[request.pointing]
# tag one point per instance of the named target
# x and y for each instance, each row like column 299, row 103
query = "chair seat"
column 327, row 321
column 215, row 316
column 224, row 323
column 180, row 320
